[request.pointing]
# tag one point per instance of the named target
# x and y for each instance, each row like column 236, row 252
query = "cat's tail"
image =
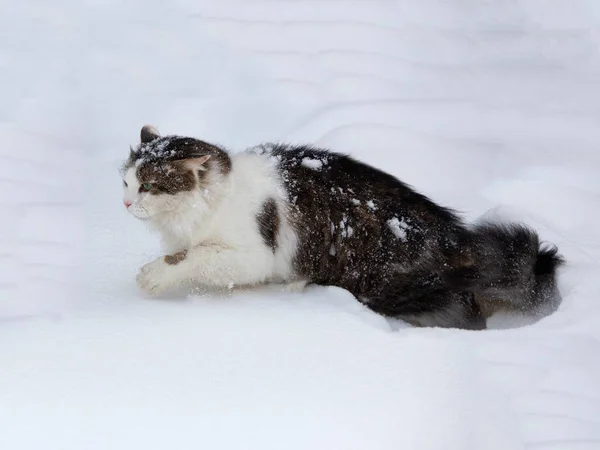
column 507, row 267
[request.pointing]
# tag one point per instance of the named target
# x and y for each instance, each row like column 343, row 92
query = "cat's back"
column 320, row 167
column 324, row 178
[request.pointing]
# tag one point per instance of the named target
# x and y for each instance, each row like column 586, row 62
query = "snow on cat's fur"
column 296, row 215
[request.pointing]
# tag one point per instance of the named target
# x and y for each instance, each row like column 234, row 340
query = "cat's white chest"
column 179, row 232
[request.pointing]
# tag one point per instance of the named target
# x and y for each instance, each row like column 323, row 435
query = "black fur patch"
column 268, row 223
column 548, row 260
column 401, row 254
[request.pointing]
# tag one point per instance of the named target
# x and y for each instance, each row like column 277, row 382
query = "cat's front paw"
column 156, row 277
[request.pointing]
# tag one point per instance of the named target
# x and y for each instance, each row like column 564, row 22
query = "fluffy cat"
column 298, row 214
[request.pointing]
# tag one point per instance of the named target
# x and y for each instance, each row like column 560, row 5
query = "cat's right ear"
column 148, row 134
column 131, row 153
column 197, row 163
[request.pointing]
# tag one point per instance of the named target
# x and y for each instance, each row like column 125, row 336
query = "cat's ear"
column 131, row 153
column 196, row 163
column 148, row 134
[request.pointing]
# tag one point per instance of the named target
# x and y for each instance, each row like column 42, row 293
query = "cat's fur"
column 298, row 214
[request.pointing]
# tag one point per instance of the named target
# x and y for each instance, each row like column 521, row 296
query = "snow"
column 487, row 107
column 313, row 164
column 399, row 228
column 156, row 148
column 346, row 229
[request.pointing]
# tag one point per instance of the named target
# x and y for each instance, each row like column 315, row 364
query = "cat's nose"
column 127, row 203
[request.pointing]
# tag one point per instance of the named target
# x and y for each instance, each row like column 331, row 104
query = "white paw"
column 155, row 277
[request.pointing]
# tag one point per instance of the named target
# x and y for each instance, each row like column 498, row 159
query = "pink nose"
column 127, row 204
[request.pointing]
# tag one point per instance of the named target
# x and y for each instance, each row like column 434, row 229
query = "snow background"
column 489, row 107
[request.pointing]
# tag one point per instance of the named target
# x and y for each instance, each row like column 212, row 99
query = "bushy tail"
column 509, row 268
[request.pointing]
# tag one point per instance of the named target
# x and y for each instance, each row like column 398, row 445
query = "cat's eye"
column 124, row 183
column 146, row 186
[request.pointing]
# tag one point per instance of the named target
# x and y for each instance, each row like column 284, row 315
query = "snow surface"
column 490, row 107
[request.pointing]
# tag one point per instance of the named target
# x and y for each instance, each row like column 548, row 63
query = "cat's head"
column 164, row 174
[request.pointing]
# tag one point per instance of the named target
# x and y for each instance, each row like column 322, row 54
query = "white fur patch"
column 217, row 225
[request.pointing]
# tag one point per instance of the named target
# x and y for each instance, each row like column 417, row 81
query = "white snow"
column 314, row 164
column 398, row 227
column 491, row 108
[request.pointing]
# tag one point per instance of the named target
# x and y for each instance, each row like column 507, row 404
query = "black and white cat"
column 298, row 215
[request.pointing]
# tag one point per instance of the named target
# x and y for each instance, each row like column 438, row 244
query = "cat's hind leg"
column 422, row 301
column 455, row 310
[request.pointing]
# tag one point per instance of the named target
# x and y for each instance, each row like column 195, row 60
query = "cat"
column 298, row 215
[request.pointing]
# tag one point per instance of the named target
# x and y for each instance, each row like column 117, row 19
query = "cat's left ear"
column 196, row 163
column 148, row 134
